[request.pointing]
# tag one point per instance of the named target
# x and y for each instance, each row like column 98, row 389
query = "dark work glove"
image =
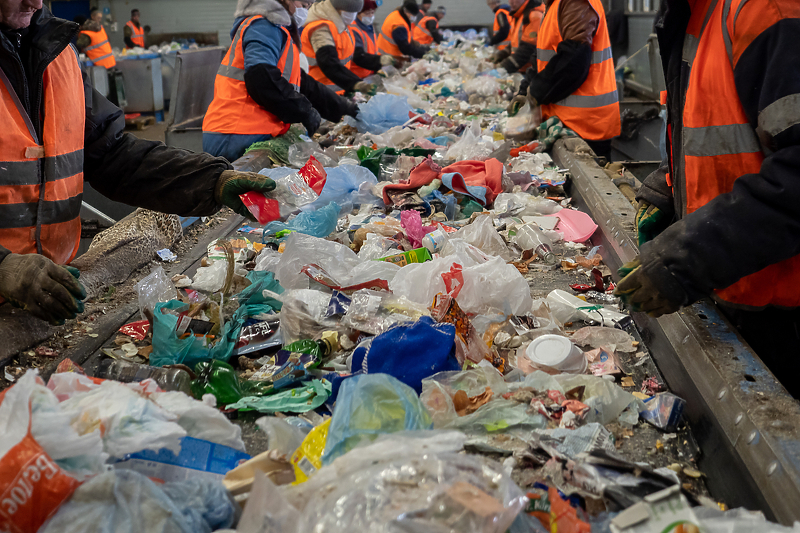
column 232, row 183
column 639, row 293
column 312, row 122
column 42, row 288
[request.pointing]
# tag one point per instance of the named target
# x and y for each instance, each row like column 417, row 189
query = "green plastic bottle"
column 220, row 379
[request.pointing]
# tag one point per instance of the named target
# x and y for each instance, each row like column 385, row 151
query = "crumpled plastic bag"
column 491, row 285
column 319, row 223
column 409, row 481
column 303, row 315
column 200, row 420
column 282, row 436
column 471, row 145
column 482, row 234
column 130, row 422
column 522, row 204
column 152, row 289
column 383, row 111
column 600, row 337
column 606, row 399
column 298, row 400
column 124, row 501
column 348, row 186
column 482, row 85
column 370, row 405
column 338, row 260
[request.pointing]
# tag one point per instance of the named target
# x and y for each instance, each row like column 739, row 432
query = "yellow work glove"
column 640, row 294
column 650, row 221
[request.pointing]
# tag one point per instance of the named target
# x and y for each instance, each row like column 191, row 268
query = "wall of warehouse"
column 174, row 16
column 217, row 15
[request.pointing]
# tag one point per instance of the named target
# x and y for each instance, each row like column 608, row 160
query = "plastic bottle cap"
column 557, row 352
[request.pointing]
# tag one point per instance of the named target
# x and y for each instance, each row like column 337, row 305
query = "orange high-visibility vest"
column 370, row 47
column 100, row 50
column 521, row 32
column 345, row 46
column 719, row 144
column 233, row 111
column 138, row 33
column 592, row 111
column 386, row 44
column 503, row 45
column 421, row 33
column 41, row 179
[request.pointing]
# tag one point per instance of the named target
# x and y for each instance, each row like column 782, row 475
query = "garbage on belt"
column 388, row 328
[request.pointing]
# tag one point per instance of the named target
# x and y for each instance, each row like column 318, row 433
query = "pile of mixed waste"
column 424, row 324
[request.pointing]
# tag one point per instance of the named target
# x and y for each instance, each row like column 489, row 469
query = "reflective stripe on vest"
column 592, row 111
column 717, row 144
column 345, row 47
column 41, row 180
column 496, row 27
column 137, row 33
column 370, row 46
column 233, row 111
column 99, row 52
column 421, row 33
column 386, row 44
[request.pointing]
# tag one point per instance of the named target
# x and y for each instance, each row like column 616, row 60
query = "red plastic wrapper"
column 291, row 192
column 598, row 283
column 137, row 330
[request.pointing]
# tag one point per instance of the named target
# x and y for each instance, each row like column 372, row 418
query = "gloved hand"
column 42, row 288
column 639, row 293
column 232, row 183
column 516, row 104
column 388, row 60
column 365, row 88
column 350, row 108
column 312, row 122
column 431, row 55
column 650, row 221
column 500, row 55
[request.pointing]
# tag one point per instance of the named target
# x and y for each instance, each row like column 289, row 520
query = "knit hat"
column 411, row 6
column 349, row 6
column 369, row 4
column 442, row 10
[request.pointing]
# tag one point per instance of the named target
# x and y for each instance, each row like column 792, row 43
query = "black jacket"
column 758, row 223
column 117, row 164
column 525, row 53
column 505, row 27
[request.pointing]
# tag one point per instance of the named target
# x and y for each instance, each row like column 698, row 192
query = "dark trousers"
column 774, row 334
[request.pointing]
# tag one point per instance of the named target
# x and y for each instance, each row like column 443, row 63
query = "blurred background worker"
column 93, row 41
column 330, row 47
column 424, row 7
column 133, row 32
column 367, row 41
column 427, row 30
column 59, row 132
column 733, row 166
column 575, row 76
column 395, row 38
column 260, row 89
column 501, row 27
column 526, row 17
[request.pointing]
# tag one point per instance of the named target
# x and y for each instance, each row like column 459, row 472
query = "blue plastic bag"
column 319, row 223
column 371, row 405
column 382, row 112
column 347, row 185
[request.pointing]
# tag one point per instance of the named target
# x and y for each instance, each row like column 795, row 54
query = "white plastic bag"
column 523, row 126
column 212, row 277
column 200, row 421
column 482, row 234
column 471, row 145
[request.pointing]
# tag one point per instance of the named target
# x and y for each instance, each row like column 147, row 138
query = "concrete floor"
column 153, row 133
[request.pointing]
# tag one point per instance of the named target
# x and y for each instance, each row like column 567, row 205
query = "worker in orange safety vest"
column 526, row 17
column 501, row 25
column 396, row 36
column 720, row 218
column 57, row 133
column 93, row 41
column 133, row 32
column 574, row 79
column 427, row 29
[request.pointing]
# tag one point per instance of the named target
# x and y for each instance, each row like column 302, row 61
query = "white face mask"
column 348, row 17
column 300, row 16
column 368, row 20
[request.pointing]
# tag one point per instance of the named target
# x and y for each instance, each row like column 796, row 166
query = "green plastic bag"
column 298, row 400
column 372, row 159
column 370, row 405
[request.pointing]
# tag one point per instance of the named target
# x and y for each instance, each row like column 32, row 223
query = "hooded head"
column 276, row 11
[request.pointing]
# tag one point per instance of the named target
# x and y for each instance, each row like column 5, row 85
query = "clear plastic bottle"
column 169, row 379
column 530, row 237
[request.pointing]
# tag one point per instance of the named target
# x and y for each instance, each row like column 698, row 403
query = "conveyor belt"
column 744, row 421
